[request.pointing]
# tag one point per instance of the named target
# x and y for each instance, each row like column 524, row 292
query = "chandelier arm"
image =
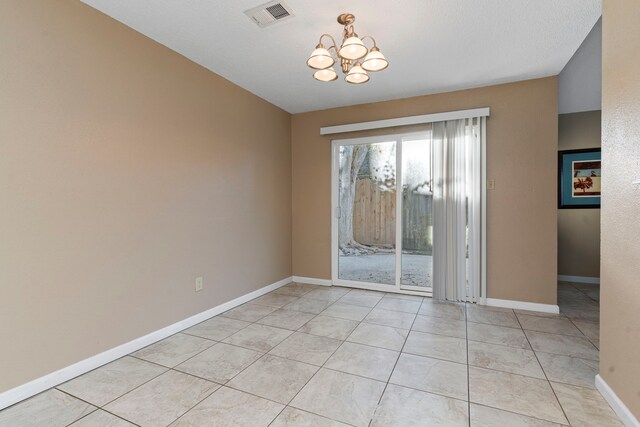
column 356, row 73
column 335, row 50
column 372, row 39
column 331, row 37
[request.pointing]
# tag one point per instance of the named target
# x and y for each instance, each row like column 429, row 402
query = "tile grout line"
column 264, row 354
column 521, row 415
column 342, row 342
column 588, row 339
column 189, row 358
column 571, row 319
column 167, row 369
column 316, row 373
column 118, row 416
column 129, row 391
column 545, row 375
column 195, row 376
column 583, row 337
column 437, row 358
column 585, row 294
column 384, row 390
column 251, row 364
column 97, row 408
column 83, row 417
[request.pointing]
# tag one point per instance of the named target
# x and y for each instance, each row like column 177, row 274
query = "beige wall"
column 522, row 143
column 579, row 229
column 620, row 263
column 125, row 172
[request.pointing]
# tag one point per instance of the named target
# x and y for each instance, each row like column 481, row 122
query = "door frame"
column 397, row 287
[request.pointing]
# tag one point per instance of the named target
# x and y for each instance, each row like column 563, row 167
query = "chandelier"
column 349, row 54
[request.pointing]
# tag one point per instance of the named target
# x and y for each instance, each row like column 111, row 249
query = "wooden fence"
column 374, row 215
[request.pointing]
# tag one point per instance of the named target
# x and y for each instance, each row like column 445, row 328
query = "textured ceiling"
column 432, row 45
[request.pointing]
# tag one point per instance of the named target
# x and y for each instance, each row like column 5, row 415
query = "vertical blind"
column 457, row 209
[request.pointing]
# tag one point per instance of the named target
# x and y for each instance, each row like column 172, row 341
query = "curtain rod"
column 404, row 121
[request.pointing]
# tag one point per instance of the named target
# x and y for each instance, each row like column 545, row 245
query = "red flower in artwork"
column 583, row 184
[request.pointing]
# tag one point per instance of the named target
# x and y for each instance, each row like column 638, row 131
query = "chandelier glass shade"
column 352, row 48
column 326, row 75
column 357, row 75
column 355, row 59
column 320, row 59
column 374, row 61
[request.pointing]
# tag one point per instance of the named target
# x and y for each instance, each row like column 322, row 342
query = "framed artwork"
column 579, row 178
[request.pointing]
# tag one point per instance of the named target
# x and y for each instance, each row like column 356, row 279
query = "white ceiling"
column 432, row 45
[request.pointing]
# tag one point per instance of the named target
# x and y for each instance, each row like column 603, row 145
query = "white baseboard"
column 618, row 406
column 53, row 379
column 312, row 281
column 522, row 305
column 579, row 279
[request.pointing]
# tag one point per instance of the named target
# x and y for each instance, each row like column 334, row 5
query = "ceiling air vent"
column 269, row 13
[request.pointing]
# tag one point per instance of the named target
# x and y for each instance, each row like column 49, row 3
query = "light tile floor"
column 306, row 355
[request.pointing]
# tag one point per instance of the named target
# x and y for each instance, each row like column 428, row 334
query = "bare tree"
column 351, row 159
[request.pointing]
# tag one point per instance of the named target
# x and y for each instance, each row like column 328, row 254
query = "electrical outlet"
column 199, row 283
column 491, row 184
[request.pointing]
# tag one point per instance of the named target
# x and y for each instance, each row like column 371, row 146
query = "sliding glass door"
column 366, row 212
column 383, row 222
column 416, row 260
